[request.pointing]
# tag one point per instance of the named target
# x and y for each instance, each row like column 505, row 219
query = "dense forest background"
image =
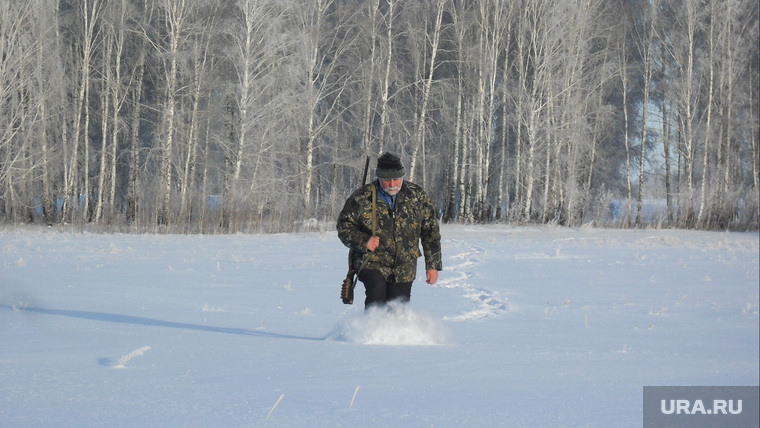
column 213, row 116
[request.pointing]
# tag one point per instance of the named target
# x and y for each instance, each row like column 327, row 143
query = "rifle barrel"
column 366, row 168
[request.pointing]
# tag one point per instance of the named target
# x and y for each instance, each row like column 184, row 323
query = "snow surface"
column 527, row 327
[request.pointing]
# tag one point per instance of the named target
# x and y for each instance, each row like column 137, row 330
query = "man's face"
column 391, row 186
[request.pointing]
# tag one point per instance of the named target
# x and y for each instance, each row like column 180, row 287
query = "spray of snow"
column 122, row 363
column 396, row 324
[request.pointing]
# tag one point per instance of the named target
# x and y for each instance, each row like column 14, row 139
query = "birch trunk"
column 419, row 134
column 175, row 14
column 133, row 188
column 370, row 78
column 118, row 102
column 105, row 102
column 502, row 206
column 386, row 78
column 453, row 181
column 90, row 13
column 188, row 167
column 708, row 131
column 689, row 116
column 648, row 56
column 626, row 133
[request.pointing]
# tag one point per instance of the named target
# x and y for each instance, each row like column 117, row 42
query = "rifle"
column 349, row 283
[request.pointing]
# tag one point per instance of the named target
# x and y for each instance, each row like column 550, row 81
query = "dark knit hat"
column 389, row 166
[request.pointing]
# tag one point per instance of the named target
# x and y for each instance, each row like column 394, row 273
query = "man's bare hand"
column 373, row 243
column 432, row 276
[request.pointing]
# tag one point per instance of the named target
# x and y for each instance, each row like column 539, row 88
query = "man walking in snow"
column 383, row 223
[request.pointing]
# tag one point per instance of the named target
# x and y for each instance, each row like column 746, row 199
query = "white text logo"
column 697, row 407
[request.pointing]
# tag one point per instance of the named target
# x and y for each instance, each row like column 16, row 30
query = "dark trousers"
column 380, row 291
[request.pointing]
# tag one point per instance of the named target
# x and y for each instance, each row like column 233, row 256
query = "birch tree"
column 687, row 97
column 535, row 101
column 89, row 12
column 105, row 101
column 135, row 93
column 708, row 121
column 200, row 59
column 388, row 19
column 373, row 11
column 419, row 134
column 176, row 15
column 646, row 46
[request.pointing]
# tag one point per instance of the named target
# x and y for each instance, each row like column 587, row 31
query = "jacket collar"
column 390, row 200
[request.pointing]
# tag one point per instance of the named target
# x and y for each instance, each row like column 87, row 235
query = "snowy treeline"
column 214, row 115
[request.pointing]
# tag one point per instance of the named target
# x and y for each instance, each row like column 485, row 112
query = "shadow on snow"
column 151, row 322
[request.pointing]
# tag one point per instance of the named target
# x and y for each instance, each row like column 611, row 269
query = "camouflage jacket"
column 400, row 231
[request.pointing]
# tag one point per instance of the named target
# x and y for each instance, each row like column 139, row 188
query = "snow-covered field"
column 527, row 327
